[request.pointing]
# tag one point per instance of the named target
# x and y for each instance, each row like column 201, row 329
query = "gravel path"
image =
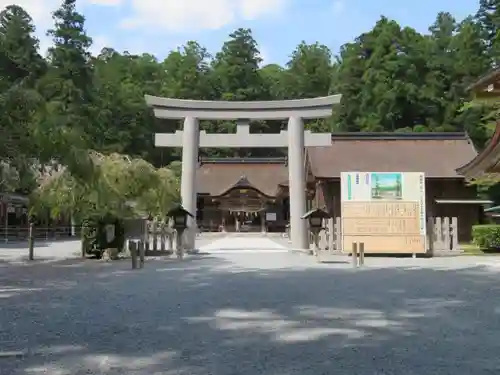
column 248, row 314
column 44, row 251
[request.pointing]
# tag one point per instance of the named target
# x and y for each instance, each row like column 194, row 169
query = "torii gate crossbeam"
column 295, row 138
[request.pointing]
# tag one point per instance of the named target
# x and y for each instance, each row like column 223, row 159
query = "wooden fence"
column 442, row 235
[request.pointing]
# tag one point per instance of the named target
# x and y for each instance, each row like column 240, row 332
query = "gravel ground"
column 43, row 252
column 248, row 314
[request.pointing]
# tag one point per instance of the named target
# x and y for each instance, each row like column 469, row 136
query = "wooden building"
column 239, row 194
column 487, row 88
column 244, row 194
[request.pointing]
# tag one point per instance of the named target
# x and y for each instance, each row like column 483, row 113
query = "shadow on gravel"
column 207, row 315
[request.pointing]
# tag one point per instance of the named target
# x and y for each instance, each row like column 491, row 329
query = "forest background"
column 392, row 79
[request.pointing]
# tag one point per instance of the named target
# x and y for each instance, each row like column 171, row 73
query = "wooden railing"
column 442, row 234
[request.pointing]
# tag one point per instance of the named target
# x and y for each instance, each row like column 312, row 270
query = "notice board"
column 385, row 211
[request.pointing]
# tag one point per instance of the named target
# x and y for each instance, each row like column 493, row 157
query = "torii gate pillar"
column 295, row 138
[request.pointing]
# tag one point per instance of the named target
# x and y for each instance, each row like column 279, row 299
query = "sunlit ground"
column 271, row 313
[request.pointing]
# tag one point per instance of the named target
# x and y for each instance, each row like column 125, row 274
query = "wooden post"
column 438, row 228
column 171, row 239
column 331, row 234
column 361, row 253
column 446, row 233
column 454, row 233
column 6, row 226
column 146, row 234
column 179, row 244
column 430, row 235
column 84, row 240
column 315, row 241
column 354, row 254
column 155, row 234
column 163, row 228
column 338, row 234
column 31, row 242
column 142, row 251
column 133, row 253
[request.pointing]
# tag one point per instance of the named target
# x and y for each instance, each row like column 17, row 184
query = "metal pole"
column 355, row 254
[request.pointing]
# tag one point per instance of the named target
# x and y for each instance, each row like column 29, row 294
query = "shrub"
column 95, row 238
column 486, row 236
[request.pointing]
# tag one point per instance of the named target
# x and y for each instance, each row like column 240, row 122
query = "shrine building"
column 251, row 194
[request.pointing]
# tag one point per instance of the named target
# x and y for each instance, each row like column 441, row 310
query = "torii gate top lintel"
column 295, row 138
column 252, row 110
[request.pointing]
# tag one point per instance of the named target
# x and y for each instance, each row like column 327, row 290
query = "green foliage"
column 486, row 236
column 94, row 235
column 116, row 185
column 54, row 109
column 486, row 180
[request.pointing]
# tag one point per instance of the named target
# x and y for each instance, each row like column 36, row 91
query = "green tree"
column 122, row 122
column 349, row 83
column 187, row 73
column 470, row 62
column 235, row 73
column 20, row 66
column 235, row 76
column 67, row 126
column 120, row 188
column 19, row 57
column 274, row 77
column 309, row 71
column 440, row 68
column 488, row 16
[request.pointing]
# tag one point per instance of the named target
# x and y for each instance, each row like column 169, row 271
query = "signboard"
column 386, row 211
column 270, row 216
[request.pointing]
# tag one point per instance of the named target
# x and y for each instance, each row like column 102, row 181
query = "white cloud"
column 104, row 2
column 41, row 12
column 171, row 16
column 264, row 55
column 189, row 15
column 99, row 42
column 338, row 6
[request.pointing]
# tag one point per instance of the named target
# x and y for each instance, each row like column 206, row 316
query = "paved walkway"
column 251, row 313
column 234, row 244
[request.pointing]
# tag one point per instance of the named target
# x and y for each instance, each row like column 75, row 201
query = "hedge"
column 94, row 235
column 486, row 236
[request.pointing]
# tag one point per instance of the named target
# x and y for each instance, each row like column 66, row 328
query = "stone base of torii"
column 294, row 138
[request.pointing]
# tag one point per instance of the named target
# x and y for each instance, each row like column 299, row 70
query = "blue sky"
column 158, row 26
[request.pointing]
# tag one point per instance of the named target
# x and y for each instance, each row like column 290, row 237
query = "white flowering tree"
column 106, row 190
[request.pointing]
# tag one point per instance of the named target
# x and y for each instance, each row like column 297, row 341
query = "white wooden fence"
column 156, row 235
column 442, row 234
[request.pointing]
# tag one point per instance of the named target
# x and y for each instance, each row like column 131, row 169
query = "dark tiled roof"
column 435, row 154
column 215, row 177
column 486, row 161
column 491, row 77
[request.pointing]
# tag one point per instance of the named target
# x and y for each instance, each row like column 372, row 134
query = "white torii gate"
column 295, row 138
